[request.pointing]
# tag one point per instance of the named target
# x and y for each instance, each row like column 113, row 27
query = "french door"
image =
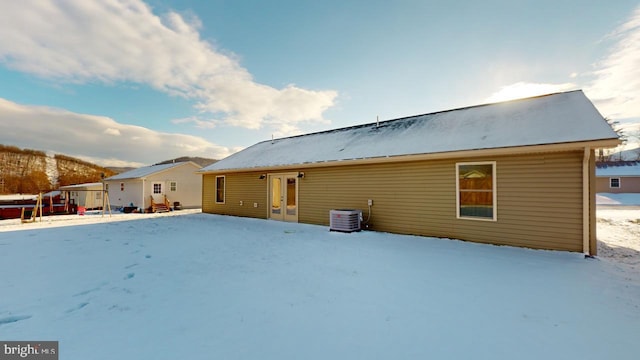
column 283, row 197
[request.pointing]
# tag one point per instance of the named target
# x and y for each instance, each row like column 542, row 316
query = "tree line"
column 27, row 171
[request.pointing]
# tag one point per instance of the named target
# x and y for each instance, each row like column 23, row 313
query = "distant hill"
column 119, row 169
column 198, row 160
column 28, row 171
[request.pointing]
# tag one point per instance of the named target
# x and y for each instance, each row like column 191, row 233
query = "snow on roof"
column 144, row 171
column 625, row 169
column 80, row 186
column 548, row 119
column 12, row 197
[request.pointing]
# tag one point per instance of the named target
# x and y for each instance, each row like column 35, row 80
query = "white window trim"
column 494, row 190
column 619, row 183
column 173, row 182
column 224, row 190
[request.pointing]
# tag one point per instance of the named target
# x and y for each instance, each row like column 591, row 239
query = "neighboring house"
column 618, row 177
column 518, row 173
column 176, row 182
column 89, row 195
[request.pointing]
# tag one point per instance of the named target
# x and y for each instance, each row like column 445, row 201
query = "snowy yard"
column 199, row 286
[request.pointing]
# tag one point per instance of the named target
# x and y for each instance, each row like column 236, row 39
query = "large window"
column 614, row 183
column 220, row 189
column 476, row 190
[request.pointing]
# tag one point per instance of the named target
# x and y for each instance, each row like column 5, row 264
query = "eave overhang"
column 471, row 153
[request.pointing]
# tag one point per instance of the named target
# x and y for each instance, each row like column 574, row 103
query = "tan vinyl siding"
column 404, row 194
column 539, row 198
column 245, row 187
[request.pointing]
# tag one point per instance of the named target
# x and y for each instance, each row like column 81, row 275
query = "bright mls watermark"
column 32, row 350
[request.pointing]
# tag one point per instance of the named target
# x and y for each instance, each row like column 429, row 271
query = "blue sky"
column 129, row 82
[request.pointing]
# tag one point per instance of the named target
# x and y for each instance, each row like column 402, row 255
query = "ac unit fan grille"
column 345, row 220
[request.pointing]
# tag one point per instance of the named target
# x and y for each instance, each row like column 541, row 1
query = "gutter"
column 529, row 149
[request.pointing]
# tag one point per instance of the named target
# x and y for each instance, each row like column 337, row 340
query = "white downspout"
column 586, row 215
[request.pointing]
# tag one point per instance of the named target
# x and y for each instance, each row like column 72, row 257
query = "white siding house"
column 89, row 195
column 178, row 182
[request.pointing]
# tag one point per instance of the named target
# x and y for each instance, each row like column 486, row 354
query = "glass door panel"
column 291, row 196
column 283, row 197
column 276, row 196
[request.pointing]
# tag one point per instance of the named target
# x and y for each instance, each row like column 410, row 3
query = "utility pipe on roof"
column 586, row 215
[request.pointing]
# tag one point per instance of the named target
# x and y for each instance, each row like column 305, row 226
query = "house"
column 618, row 177
column 167, row 184
column 518, row 173
column 89, row 195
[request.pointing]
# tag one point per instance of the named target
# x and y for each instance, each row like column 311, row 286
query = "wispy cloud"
column 615, row 88
column 114, row 41
column 96, row 138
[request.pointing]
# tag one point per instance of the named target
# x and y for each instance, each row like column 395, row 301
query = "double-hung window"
column 476, row 190
column 614, row 183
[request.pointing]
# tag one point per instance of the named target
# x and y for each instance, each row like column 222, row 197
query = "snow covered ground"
column 619, row 229
column 618, row 199
column 186, row 285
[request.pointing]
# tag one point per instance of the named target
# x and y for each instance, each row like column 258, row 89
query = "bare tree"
column 606, row 155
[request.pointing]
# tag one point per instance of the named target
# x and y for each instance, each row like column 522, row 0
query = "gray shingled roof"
column 549, row 119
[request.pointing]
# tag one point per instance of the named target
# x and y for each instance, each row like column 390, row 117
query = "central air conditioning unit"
column 345, row 220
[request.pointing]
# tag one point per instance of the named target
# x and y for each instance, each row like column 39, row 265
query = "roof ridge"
column 359, row 126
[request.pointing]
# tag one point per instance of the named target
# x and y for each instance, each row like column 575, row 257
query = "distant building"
column 157, row 184
column 618, row 177
column 88, row 195
column 514, row 173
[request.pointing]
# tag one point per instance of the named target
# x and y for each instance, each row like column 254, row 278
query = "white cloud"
column 200, row 123
column 123, row 40
column 90, row 137
column 112, row 132
column 615, row 88
column 525, row 89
